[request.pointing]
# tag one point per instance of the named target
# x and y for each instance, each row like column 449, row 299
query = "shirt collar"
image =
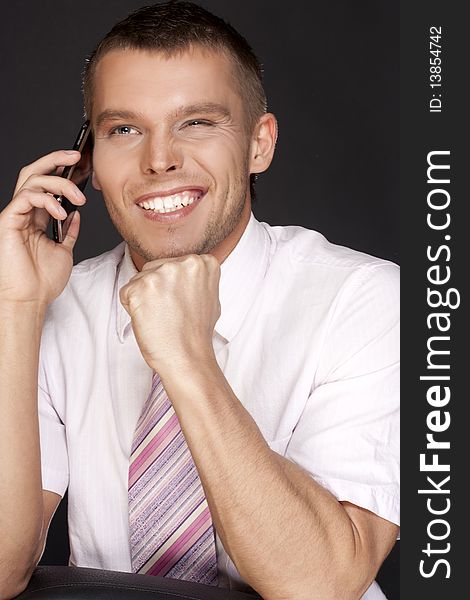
column 241, row 275
column 125, row 271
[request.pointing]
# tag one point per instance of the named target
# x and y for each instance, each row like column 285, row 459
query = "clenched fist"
column 174, row 306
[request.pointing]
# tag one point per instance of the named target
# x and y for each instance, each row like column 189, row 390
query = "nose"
column 160, row 154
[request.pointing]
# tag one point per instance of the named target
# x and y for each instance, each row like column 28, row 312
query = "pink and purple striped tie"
column 170, row 525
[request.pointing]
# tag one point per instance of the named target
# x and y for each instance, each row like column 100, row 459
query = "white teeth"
column 164, row 204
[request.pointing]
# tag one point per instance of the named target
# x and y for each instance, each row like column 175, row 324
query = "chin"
column 149, row 254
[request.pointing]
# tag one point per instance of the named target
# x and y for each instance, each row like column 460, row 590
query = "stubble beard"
column 215, row 232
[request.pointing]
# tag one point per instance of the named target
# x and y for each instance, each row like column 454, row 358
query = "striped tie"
column 170, row 526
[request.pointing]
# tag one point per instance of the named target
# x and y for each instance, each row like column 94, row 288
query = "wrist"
column 186, row 362
column 196, row 386
column 14, row 312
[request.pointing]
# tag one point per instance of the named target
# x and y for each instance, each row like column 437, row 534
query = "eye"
column 122, row 130
column 198, row 122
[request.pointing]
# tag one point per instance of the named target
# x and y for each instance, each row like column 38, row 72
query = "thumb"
column 72, row 232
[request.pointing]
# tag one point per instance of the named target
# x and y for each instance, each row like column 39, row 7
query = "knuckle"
column 33, row 182
column 211, row 260
column 123, row 293
column 28, row 169
column 128, row 296
column 126, row 290
column 212, row 264
column 24, row 192
column 28, row 178
column 192, row 260
column 169, row 267
column 168, row 270
column 147, row 278
column 149, row 281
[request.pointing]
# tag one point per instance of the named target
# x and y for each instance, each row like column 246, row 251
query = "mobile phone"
column 79, row 173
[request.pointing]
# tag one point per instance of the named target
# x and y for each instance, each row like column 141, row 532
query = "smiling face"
column 172, row 154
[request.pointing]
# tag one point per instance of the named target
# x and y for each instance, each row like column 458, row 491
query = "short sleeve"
column 347, row 437
column 54, row 457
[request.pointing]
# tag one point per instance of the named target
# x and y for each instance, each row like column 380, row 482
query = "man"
column 227, row 412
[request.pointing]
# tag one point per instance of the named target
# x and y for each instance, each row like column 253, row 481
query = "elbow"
column 355, row 585
column 10, row 589
column 17, row 563
column 331, row 588
column 13, row 580
column 342, row 577
column 339, row 579
column 332, row 585
column 354, row 577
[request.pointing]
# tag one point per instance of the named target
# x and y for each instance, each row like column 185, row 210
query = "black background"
column 332, row 79
column 331, row 75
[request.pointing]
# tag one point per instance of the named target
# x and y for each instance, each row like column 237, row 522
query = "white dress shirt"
column 307, row 339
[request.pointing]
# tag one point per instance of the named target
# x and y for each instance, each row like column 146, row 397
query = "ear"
column 94, row 181
column 263, row 143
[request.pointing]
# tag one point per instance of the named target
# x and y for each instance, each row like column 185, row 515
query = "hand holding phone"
column 33, row 268
column 79, row 173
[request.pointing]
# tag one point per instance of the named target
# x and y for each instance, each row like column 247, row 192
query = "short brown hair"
column 173, row 27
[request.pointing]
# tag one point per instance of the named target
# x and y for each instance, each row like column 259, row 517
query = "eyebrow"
column 183, row 111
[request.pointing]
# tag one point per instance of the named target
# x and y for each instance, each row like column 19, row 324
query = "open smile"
column 169, row 207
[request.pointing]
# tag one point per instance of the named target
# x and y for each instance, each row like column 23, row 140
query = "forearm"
column 21, row 512
column 287, row 536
